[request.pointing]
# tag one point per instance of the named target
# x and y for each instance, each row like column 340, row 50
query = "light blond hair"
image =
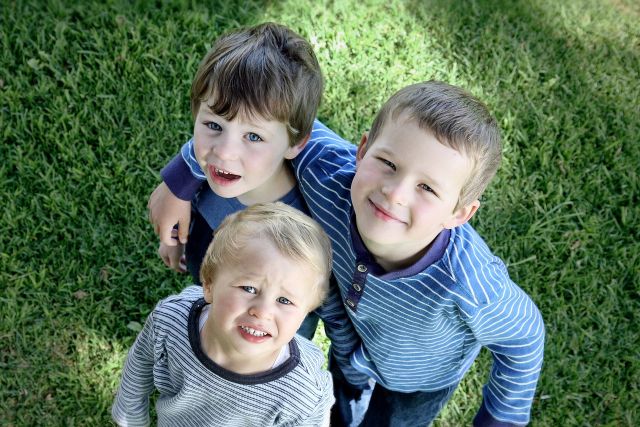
column 458, row 120
column 294, row 234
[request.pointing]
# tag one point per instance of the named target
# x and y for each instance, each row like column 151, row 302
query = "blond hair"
column 294, row 234
column 267, row 71
column 458, row 120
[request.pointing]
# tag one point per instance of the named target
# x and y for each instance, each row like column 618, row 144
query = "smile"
column 253, row 332
column 383, row 214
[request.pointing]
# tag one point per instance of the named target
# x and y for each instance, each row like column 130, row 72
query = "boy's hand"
column 165, row 211
column 173, row 257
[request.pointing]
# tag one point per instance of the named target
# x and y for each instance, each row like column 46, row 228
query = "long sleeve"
column 513, row 330
column 131, row 405
column 183, row 175
column 343, row 336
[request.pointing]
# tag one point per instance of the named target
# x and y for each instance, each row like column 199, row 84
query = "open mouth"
column 254, row 332
column 225, row 175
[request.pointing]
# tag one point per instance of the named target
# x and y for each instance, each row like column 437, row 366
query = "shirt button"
column 362, row 268
column 350, row 303
column 357, row 287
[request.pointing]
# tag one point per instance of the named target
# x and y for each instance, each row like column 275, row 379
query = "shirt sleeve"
column 343, row 336
column 512, row 329
column 183, row 174
column 131, row 405
column 320, row 416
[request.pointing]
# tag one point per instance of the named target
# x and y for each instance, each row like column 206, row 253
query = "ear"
column 462, row 215
column 208, row 291
column 362, row 148
column 292, row 152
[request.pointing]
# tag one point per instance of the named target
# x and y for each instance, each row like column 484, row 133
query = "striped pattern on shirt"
column 194, row 391
column 421, row 331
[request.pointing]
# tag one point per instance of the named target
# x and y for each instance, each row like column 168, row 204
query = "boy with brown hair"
column 226, row 354
column 421, row 287
column 254, row 98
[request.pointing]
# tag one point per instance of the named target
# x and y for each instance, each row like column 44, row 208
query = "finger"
column 165, row 237
column 183, row 264
column 183, row 230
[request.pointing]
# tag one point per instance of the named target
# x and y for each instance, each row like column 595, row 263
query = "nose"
column 225, row 148
column 397, row 191
column 261, row 309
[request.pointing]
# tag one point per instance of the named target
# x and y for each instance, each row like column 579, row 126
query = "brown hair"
column 294, row 234
column 458, row 120
column 266, row 70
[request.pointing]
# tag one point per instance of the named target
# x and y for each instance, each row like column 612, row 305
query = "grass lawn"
column 94, row 101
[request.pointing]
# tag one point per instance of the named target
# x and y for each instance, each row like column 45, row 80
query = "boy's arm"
column 513, row 330
column 131, row 405
column 170, row 202
column 343, row 336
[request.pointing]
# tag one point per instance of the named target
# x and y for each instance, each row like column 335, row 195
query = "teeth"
column 221, row 172
column 253, row 331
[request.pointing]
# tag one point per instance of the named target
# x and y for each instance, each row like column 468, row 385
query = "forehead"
column 261, row 260
column 243, row 116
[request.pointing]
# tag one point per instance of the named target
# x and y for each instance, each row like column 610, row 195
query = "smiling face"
column 243, row 157
column 256, row 307
column 405, row 190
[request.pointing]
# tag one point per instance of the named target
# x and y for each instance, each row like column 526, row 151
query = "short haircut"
column 458, row 120
column 267, row 71
column 293, row 233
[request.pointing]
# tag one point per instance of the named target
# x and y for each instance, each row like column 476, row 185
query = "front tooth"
column 254, row 332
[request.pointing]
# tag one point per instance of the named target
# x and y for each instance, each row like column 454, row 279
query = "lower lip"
column 252, row 338
column 382, row 215
column 219, row 180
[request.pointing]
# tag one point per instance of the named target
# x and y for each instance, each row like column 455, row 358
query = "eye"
column 213, row 126
column 387, row 163
column 283, row 300
column 426, row 188
column 249, row 289
column 254, row 137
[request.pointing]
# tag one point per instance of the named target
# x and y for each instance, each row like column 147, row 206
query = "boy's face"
column 243, row 158
column 405, row 190
column 256, row 307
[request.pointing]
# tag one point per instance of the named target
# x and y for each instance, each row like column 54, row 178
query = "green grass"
column 94, row 101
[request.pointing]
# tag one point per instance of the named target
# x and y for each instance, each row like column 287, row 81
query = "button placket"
column 357, row 286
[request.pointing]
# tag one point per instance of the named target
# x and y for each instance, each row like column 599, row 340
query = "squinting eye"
column 213, row 126
column 254, row 137
column 283, row 300
column 388, row 163
column 249, row 289
column 425, row 187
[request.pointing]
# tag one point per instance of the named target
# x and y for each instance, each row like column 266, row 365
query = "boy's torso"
column 416, row 326
column 192, row 388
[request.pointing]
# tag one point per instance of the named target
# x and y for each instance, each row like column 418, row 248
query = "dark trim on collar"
column 434, row 252
column 260, row 378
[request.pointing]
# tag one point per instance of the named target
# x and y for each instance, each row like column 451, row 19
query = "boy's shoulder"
column 179, row 302
column 311, row 361
column 325, row 147
column 473, row 268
